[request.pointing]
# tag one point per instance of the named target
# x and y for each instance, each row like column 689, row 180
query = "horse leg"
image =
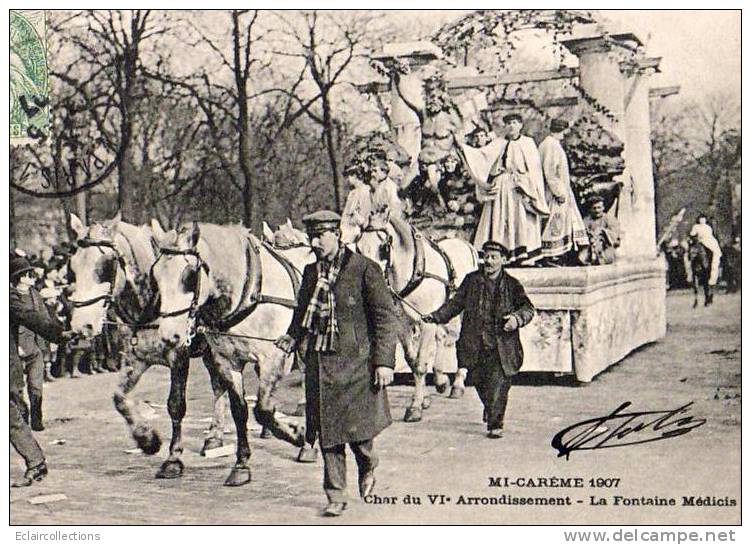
column 417, row 357
column 271, row 370
column 457, row 390
column 144, row 435
column 695, row 285
column 232, row 380
column 440, row 381
column 173, row 467
column 215, row 439
column 708, row 295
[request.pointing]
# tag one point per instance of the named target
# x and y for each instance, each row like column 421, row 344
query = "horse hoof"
column 427, row 401
column 413, row 414
column 457, row 392
column 211, row 443
column 238, row 477
column 148, row 441
column 307, row 455
column 265, row 433
column 442, row 388
column 170, row 469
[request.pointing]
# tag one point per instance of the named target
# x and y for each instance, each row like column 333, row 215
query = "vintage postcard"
column 373, row 267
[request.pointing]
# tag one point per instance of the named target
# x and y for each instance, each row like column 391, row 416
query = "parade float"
column 597, row 77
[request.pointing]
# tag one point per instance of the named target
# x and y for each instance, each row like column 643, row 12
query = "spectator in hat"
column 344, row 324
column 495, row 306
column 564, row 231
column 28, row 319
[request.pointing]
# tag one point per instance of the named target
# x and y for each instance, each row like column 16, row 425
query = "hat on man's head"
column 558, row 125
column 513, row 116
column 18, row 265
column 494, row 246
column 323, row 220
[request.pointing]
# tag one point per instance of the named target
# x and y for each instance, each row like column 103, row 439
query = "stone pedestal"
column 589, row 318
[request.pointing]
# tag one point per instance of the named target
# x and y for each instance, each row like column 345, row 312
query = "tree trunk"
column 328, row 131
column 82, row 210
column 126, row 198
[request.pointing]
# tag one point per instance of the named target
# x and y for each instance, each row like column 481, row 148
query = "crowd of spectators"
column 80, row 356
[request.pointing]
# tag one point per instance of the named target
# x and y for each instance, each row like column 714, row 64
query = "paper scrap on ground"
column 133, row 451
column 47, row 498
column 58, row 442
column 226, row 450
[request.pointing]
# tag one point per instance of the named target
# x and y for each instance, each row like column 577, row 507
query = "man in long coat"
column 495, row 306
column 26, row 319
column 564, row 230
column 344, row 324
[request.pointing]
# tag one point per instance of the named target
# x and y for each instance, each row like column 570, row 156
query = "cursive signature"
column 649, row 425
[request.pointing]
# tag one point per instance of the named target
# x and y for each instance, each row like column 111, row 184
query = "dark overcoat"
column 27, row 312
column 510, row 299
column 342, row 404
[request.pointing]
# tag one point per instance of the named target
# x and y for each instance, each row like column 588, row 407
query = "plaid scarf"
column 320, row 316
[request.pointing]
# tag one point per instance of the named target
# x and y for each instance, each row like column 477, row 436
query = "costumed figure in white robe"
column 703, row 233
column 508, row 180
column 564, row 230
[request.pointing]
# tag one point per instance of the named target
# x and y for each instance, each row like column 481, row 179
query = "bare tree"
column 106, row 79
column 328, row 45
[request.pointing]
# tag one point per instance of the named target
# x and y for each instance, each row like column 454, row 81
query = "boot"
column 32, row 475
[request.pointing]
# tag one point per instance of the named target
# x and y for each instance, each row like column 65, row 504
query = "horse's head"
column 98, row 270
column 376, row 242
column 286, row 236
column 181, row 276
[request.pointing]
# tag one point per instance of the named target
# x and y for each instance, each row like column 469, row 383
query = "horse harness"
column 250, row 297
column 418, row 266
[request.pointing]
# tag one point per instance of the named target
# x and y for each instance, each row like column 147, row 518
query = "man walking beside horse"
column 344, row 325
column 495, row 306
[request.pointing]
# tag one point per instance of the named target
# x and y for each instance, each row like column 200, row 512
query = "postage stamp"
column 29, row 89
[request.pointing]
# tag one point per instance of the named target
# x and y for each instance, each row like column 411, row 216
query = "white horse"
column 238, row 293
column 111, row 268
column 422, row 275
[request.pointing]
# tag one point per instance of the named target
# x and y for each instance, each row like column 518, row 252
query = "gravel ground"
column 447, row 453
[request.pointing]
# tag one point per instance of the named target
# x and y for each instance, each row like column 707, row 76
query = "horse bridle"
column 192, row 309
column 106, row 297
column 386, row 243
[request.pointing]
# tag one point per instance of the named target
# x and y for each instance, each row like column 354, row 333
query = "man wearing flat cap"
column 495, row 306
column 564, row 234
column 344, row 324
column 508, row 180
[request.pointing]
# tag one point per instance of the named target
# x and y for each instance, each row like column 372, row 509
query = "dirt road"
column 447, row 453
